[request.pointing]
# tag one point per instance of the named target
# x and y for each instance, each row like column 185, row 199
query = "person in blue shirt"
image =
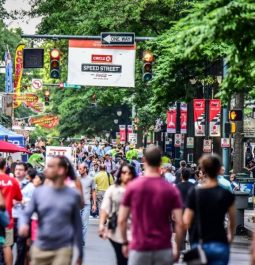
column 224, row 183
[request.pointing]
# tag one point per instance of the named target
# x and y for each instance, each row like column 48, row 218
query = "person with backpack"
column 206, row 209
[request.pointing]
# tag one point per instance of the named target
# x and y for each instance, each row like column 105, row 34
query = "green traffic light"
column 147, row 77
column 55, row 74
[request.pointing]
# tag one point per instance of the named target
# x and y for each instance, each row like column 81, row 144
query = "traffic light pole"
column 76, row 37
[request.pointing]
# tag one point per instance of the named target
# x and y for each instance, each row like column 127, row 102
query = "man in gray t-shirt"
column 88, row 188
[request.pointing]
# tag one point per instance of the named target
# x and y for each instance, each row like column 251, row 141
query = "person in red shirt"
column 152, row 202
column 11, row 191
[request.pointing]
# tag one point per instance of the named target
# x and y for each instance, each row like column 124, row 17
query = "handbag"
column 113, row 218
column 196, row 256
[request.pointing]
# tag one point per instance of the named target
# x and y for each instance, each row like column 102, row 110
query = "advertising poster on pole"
column 177, row 140
column 215, row 117
column 92, row 64
column 207, row 147
column 122, row 134
column 184, row 116
column 190, row 142
column 171, row 120
column 132, row 138
column 18, row 74
column 199, row 117
column 225, row 142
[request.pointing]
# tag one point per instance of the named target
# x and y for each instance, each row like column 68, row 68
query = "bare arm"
column 94, row 197
column 231, row 223
column 79, row 188
column 102, row 220
column 188, row 218
column 177, row 214
column 122, row 221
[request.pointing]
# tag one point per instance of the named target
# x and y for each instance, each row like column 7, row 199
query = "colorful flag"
column 215, row 117
column 199, row 117
column 8, row 73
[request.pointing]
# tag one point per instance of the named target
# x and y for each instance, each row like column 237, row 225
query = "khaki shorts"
column 62, row 256
column 9, row 238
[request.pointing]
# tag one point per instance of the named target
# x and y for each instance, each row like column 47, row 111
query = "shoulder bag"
column 113, row 217
column 196, row 256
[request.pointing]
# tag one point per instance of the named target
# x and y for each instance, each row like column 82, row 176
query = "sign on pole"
column 190, row 142
column 132, row 138
column 52, row 151
column 215, row 117
column 207, row 148
column 177, row 140
column 92, row 64
column 118, row 38
column 225, row 142
column 37, row 84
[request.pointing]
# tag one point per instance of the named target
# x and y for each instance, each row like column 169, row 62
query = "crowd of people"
column 148, row 209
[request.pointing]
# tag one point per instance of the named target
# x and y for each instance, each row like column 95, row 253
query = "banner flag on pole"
column 171, row 120
column 184, row 118
column 199, row 117
column 215, row 117
column 8, row 72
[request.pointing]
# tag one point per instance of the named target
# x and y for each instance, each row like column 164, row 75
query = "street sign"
column 190, row 142
column 207, row 148
column 132, row 138
column 225, row 142
column 37, row 84
column 65, row 85
column 177, row 140
column 118, row 38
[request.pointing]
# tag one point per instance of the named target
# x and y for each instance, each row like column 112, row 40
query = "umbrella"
column 7, row 147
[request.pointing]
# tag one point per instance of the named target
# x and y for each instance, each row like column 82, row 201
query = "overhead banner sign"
column 92, row 64
column 47, row 121
column 37, row 107
column 215, row 117
column 28, row 99
column 18, row 73
column 171, row 121
column 184, row 118
column 199, row 117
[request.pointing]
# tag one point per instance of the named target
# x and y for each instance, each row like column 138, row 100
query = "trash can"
column 241, row 204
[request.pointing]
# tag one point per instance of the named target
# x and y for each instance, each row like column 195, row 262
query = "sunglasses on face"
column 126, row 172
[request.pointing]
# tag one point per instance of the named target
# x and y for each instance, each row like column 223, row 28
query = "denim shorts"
column 217, row 253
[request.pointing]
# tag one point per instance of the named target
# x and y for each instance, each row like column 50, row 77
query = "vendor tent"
column 7, row 147
column 13, row 137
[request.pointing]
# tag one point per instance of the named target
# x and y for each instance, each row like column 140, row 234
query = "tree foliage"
column 90, row 17
column 213, row 29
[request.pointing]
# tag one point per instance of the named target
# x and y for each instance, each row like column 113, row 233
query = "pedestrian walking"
column 88, row 189
column 206, row 208
column 151, row 202
column 20, row 174
column 103, row 181
column 110, row 210
column 11, row 191
column 178, row 172
column 58, row 209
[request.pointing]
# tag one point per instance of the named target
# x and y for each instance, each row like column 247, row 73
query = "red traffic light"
column 55, row 54
column 148, row 57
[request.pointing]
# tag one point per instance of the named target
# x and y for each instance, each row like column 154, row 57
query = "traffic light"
column 148, row 59
column 236, row 115
column 230, row 128
column 47, row 98
column 55, row 63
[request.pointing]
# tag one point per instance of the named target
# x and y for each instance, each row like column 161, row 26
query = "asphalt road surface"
column 99, row 251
